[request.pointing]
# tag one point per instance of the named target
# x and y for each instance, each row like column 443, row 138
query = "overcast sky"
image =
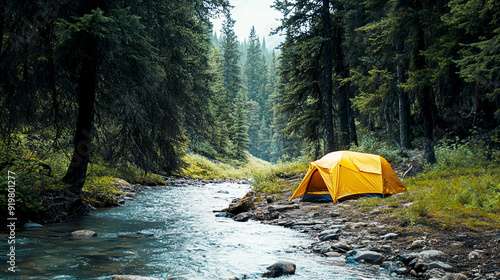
column 248, row 13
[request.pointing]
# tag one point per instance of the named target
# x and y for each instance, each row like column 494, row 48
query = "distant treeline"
column 143, row 82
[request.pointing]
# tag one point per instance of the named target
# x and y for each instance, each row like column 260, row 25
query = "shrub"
column 99, row 191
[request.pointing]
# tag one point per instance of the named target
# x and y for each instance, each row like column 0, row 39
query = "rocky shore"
column 342, row 232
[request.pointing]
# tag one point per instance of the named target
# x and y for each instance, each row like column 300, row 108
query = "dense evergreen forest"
column 144, row 82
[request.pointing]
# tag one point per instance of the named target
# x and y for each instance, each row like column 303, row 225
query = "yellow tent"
column 343, row 174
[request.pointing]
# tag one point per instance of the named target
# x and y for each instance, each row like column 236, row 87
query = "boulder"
column 243, row 217
column 279, row 269
column 366, row 256
column 242, row 205
column 83, row 233
column 132, row 277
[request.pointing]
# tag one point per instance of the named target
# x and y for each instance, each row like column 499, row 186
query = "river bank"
column 344, row 232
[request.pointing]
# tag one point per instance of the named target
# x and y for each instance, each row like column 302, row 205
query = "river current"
column 167, row 231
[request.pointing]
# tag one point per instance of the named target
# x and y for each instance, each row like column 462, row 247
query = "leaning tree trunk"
column 87, row 84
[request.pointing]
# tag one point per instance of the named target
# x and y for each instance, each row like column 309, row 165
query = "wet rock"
column 32, row 225
column 331, row 236
column 130, row 235
column 341, row 247
column 476, row 254
column 223, row 215
column 132, row 277
column 279, row 269
column 366, row 256
column 243, row 217
column 321, row 247
column 178, row 277
column 333, row 254
column 83, row 233
column 242, row 205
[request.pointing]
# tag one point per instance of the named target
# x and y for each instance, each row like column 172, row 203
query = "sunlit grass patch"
column 277, row 178
column 100, row 191
column 198, row 166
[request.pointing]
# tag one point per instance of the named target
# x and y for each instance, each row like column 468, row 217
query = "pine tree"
column 232, row 83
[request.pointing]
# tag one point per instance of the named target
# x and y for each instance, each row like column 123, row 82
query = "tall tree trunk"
column 403, row 101
column 330, row 144
column 343, row 88
column 425, row 95
column 87, row 84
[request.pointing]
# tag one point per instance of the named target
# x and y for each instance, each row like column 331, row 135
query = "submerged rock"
column 279, row 269
column 32, row 225
column 178, row 277
column 243, row 217
column 83, row 233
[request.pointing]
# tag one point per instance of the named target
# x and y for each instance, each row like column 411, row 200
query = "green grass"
column 203, row 168
column 463, row 189
column 275, row 178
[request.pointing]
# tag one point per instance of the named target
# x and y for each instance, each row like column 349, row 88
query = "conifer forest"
column 143, row 83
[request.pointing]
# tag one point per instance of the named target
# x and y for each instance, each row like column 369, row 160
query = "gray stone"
column 341, row 247
column 329, row 231
column 331, row 236
column 332, row 254
column 416, row 244
column 368, row 257
column 83, row 233
column 429, row 254
column 322, row 248
column 476, row 254
column 391, row 235
column 243, row 217
column 279, row 269
column 439, row 265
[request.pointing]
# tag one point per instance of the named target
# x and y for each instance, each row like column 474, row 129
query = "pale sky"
column 248, row 13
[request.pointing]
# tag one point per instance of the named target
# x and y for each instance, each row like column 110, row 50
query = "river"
column 179, row 235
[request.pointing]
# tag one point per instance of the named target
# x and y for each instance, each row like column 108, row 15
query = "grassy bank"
column 462, row 190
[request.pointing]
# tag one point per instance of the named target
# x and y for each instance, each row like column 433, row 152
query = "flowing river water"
column 180, row 235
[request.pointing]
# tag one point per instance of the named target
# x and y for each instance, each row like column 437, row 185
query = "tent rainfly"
column 345, row 174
